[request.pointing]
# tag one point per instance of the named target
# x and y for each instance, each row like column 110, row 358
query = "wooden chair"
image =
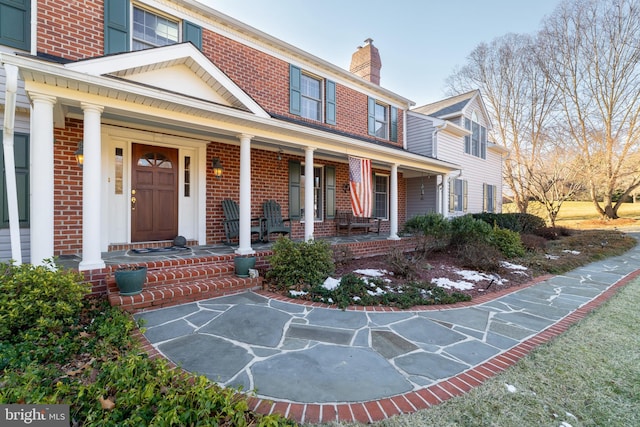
column 274, row 223
column 231, row 223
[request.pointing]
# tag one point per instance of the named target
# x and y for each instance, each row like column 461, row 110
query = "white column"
column 393, row 204
column 91, row 186
column 41, row 171
column 244, row 244
column 308, row 194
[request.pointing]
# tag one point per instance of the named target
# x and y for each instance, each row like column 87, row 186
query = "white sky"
column 421, row 42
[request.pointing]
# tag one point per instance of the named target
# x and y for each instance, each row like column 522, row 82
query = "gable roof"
column 448, row 107
column 180, row 68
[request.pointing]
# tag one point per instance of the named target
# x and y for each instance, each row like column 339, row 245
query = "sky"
column 421, row 42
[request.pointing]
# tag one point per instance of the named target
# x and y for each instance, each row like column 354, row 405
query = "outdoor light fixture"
column 79, row 154
column 345, row 187
column 422, row 188
column 217, row 168
column 280, row 154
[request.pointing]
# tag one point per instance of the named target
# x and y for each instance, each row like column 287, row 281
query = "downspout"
column 9, row 160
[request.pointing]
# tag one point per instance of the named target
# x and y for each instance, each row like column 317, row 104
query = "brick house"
column 175, row 107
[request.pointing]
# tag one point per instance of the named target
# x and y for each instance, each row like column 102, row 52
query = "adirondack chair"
column 274, row 223
column 231, row 223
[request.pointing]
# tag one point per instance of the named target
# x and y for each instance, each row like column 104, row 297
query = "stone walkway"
column 317, row 364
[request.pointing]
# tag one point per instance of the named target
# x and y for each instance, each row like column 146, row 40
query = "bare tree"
column 520, row 98
column 590, row 49
column 555, row 180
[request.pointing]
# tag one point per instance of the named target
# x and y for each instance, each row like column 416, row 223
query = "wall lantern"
column 217, row 168
column 345, row 187
column 79, row 154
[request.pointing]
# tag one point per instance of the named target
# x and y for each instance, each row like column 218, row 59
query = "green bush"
column 518, row 222
column 432, row 230
column 296, row 264
column 479, row 255
column 38, row 300
column 467, row 230
column 507, row 242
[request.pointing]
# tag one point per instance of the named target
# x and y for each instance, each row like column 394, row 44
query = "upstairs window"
column 382, row 120
column 306, row 96
column 151, row 30
column 15, row 23
column 476, row 143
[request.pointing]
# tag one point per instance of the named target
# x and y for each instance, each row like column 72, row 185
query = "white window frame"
column 161, row 15
column 490, row 203
column 382, row 123
column 478, row 138
column 305, row 98
column 318, row 189
column 386, row 196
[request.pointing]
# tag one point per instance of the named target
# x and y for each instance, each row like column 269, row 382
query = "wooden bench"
column 346, row 220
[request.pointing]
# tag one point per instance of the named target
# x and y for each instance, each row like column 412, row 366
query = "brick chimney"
column 365, row 62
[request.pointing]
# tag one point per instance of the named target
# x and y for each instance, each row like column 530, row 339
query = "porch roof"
column 148, row 106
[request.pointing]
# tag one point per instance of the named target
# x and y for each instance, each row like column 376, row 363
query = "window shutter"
column 116, row 26
column 485, row 197
column 192, row 33
column 330, row 188
column 494, row 198
column 15, row 23
column 465, row 193
column 21, row 159
column 452, row 194
column 330, row 101
column 294, row 189
column 394, row 124
column 294, row 90
column 371, row 116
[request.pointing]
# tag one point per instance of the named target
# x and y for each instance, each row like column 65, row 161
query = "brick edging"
column 377, row 410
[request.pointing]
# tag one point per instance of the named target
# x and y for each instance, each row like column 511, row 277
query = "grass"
column 572, row 214
column 588, row 376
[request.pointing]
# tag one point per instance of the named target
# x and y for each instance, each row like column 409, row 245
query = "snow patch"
column 446, row 283
column 511, row 388
column 511, row 266
column 568, row 251
column 371, row 272
column 330, row 283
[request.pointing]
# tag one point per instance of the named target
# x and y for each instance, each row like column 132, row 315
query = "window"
column 150, row 30
column 476, row 143
column 306, row 96
column 311, row 107
column 457, row 195
column 490, row 198
column 317, row 193
column 15, row 23
column 381, row 196
column 119, row 171
column 382, row 120
column 187, row 176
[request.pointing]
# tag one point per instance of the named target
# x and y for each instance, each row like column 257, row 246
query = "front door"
column 154, row 193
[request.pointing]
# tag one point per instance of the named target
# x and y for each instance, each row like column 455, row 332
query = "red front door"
column 154, row 193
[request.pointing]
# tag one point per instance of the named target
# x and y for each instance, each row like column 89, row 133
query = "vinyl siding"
column 420, row 134
column 5, row 245
column 428, row 204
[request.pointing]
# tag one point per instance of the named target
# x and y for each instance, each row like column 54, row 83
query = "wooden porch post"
column 393, row 204
column 244, row 214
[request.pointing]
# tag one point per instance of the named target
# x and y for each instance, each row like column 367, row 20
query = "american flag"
column 361, row 186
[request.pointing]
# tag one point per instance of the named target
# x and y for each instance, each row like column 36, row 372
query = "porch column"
column 91, row 185
column 309, row 217
column 393, row 204
column 41, row 186
column 244, row 216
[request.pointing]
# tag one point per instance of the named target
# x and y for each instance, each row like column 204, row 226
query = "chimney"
column 365, row 62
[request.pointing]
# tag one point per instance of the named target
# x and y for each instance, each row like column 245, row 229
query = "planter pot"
column 243, row 265
column 130, row 281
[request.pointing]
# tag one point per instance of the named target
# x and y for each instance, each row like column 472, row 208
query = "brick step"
column 180, row 281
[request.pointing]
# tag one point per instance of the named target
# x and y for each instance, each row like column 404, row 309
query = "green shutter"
column 116, row 26
column 192, row 33
column 330, row 101
column 452, row 194
column 15, row 23
column 371, row 116
column 294, row 90
column 394, row 124
column 21, row 158
column 465, row 193
column 295, row 177
column 330, row 188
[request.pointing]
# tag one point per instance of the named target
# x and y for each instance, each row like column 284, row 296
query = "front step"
column 181, row 281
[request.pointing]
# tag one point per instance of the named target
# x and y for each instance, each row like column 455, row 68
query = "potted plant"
column 130, row 279
column 243, row 263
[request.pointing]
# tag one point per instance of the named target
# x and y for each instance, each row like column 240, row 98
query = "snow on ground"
column 446, row 283
column 330, row 283
column 568, row 251
column 372, row 272
column 511, row 266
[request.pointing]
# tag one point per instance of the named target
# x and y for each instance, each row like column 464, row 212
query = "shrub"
column 479, row 256
column 433, row 231
column 297, row 264
column 531, row 242
column 342, row 254
column 467, row 230
column 38, row 300
column 507, row 242
column 518, row 222
column 400, row 263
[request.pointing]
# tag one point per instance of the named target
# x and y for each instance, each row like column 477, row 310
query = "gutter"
column 9, row 160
